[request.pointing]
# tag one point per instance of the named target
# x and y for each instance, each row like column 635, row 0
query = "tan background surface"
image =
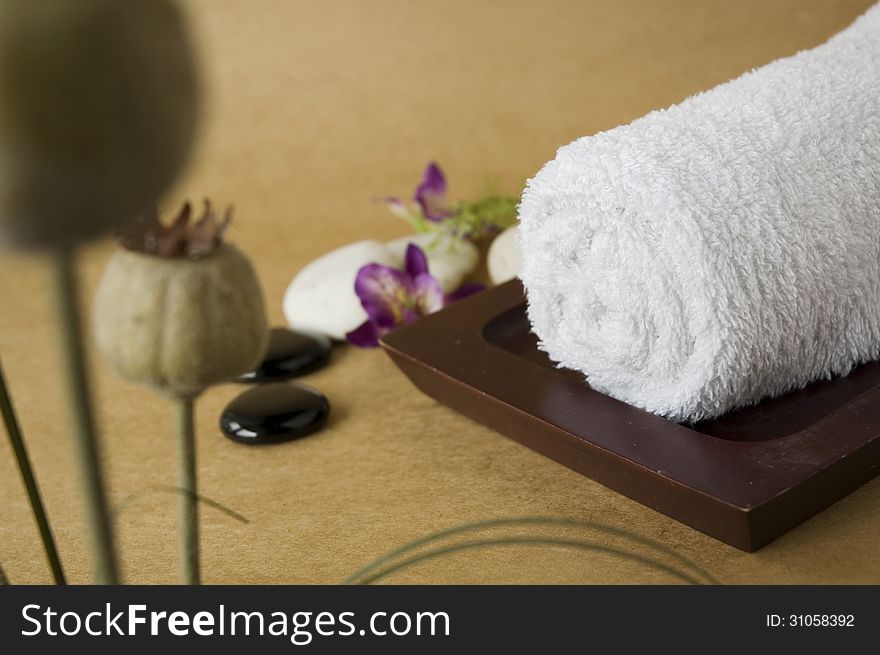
column 313, row 109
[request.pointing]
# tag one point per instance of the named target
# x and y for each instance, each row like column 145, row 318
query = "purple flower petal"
column 464, row 291
column 431, row 194
column 428, row 294
column 392, row 297
column 364, row 336
column 383, row 292
column 396, row 205
column 410, row 315
column 415, row 261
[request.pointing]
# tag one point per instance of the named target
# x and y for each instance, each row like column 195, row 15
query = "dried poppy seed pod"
column 183, row 321
column 98, row 106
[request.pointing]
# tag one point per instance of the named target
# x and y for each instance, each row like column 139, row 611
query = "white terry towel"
column 723, row 250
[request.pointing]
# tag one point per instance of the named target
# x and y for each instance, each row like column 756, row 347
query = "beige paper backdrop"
column 313, row 109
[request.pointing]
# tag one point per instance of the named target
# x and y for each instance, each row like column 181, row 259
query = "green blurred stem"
column 531, row 541
column 82, row 420
column 188, row 513
column 30, row 482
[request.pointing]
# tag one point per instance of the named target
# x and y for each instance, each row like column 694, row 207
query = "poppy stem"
column 82, row 419
column 188, row 517
column 16, row 440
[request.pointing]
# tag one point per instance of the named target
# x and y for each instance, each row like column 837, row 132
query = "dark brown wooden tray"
column 745, row 479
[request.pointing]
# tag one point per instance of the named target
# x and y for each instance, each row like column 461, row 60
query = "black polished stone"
column 274, row 413
column 290, row 353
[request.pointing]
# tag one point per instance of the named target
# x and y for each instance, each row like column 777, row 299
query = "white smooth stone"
column 450, row 260
column 321, row 297
column 503, row 259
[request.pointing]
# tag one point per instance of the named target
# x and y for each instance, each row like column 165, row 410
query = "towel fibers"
column 723, row 250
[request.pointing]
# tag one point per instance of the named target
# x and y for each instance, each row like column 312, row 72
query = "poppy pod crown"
column 178, row 321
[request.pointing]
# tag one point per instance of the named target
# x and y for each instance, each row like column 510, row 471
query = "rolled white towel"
column 723, row 250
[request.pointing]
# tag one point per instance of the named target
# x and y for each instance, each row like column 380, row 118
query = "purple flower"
column 396, row 205
column 431, row 194
column 392, row 298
